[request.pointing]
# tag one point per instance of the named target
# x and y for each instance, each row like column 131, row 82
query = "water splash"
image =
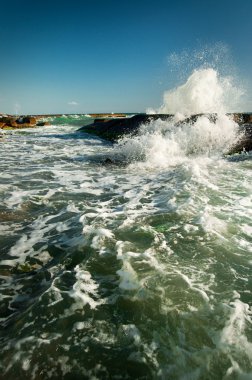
column 168, row 143
column 205, row 91
column 165, row 143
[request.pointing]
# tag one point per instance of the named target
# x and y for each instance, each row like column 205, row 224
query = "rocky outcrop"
column 43, row 123
column 11, row 122
column 31, row 120
column 115, row 128
column 242, row 118
column 245, row 142
column 106, row 115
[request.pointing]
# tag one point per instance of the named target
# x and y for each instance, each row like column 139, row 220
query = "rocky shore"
column 32, row 121
column 18, row 122
column 113, row 129
column 107, row 115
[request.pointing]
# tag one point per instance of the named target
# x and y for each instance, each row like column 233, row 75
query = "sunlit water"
column 139, row 269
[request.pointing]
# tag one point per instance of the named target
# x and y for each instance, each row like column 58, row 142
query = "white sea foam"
column 128, row 277
column 234, row 332
column 24, row 246
column 205, row 91
column 85, row 290
column 164, row 143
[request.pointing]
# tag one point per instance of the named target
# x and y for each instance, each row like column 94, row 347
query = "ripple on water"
column 122, row 271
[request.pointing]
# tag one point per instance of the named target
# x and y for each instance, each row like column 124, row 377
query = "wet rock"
column 113, row 129
column 29, row 120
column 26, row 125
column 242, row 118
column 43, row 123
column 22, row 121
column 245, row 142
column 193, row 118
column 107, row 115
column 9, row 121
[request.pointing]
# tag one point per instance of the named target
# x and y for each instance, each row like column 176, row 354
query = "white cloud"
column 73, row 103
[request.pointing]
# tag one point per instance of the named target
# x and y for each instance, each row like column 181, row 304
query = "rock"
column 29, row 120
column 114, row 129
column 245, row 142
column 242, row 118
column 107, row 115
column 9, row 121
column 43, row 123
column 193, row 118
column 25, row 125
column 13, row 124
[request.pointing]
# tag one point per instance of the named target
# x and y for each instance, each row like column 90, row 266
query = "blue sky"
column 113, row 56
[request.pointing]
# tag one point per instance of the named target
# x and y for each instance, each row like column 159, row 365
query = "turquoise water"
column 140, row 269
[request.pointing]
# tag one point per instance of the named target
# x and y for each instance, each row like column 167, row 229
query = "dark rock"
column 9, row 121
column 242, row 118
column 107, row 115
column 29, row 120
column 245, row 142
column 193, row 118
column 114, row 129
column 20, row 122
column 43, row 123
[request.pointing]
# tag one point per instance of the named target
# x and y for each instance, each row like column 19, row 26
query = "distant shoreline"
column 38, row 120
column 32, row 121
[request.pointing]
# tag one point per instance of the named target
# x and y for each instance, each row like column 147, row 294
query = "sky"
column 87, row 56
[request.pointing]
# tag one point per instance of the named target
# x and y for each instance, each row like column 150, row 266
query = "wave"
column 211, row 132
column 70, row 119
column 164, row 143
column 205, row 91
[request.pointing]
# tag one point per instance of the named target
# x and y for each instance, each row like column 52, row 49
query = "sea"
column 130, row 260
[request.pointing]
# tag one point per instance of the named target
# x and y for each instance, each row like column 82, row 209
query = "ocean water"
column 138, row 269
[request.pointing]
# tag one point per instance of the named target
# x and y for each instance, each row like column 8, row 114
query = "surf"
column 211, row 132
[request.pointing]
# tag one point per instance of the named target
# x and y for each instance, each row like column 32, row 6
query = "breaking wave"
column 212, row 132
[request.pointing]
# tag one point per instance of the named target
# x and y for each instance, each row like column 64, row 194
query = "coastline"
column 8, row 121
column 112, row 126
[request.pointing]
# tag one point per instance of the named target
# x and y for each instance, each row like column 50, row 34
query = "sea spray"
column 160, row 142
column 217, row 57
column 204, row 92
column 163, row 143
